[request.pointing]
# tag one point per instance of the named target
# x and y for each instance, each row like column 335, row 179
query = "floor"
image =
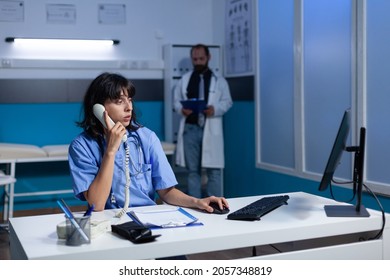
column 4, row 244
column 220, row 255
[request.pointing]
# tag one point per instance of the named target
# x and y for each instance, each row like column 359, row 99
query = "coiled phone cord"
column 127, row 186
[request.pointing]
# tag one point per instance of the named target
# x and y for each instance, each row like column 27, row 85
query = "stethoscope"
column 134, row 139
column 213, row 82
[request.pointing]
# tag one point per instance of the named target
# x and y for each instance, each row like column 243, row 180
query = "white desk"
column 302, row 219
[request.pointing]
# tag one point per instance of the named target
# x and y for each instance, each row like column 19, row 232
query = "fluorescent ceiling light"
column 61, row 42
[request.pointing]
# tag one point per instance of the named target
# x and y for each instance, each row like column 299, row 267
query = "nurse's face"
column 120, row 110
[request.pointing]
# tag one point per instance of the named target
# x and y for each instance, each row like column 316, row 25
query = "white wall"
column 149, row 25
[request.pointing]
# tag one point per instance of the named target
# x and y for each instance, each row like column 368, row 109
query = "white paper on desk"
column 172, row 217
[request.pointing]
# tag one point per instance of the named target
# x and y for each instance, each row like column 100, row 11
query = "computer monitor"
column 339, row 146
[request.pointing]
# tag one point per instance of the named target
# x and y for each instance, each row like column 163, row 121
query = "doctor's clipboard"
column 164, row 218
column 197, row 106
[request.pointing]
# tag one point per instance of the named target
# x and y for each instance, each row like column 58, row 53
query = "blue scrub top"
column 149, row 168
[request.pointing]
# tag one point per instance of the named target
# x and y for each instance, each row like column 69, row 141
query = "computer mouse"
column 217, row 210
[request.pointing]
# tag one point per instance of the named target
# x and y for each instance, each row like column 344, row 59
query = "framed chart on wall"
column 239, row 38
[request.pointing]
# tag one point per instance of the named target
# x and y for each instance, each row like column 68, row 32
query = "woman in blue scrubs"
column 98, row 162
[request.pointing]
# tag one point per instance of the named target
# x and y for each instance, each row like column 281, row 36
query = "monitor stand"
column 357, row 210
column 345, row 211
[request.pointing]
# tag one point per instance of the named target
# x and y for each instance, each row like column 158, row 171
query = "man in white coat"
column 200, row 137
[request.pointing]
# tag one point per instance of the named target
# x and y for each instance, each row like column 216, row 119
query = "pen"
column 134, row 217
column 71, row 218
column 89, row 210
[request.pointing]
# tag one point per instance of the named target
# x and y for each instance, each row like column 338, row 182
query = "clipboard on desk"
column 164, row 218
column 197, row 106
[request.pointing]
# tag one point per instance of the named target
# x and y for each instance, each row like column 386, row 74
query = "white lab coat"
column 212, row 145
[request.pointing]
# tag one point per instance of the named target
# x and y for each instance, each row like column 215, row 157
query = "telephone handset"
column 98, row 111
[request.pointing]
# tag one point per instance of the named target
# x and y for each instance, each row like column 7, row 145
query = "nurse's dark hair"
column 103, row 87
column 200, row 46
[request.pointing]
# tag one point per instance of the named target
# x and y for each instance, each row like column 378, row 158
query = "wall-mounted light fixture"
column 61, row 42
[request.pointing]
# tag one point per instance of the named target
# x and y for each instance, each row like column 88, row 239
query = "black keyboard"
column 259, row 208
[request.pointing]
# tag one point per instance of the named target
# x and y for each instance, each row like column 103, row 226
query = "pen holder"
column 73, row 235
